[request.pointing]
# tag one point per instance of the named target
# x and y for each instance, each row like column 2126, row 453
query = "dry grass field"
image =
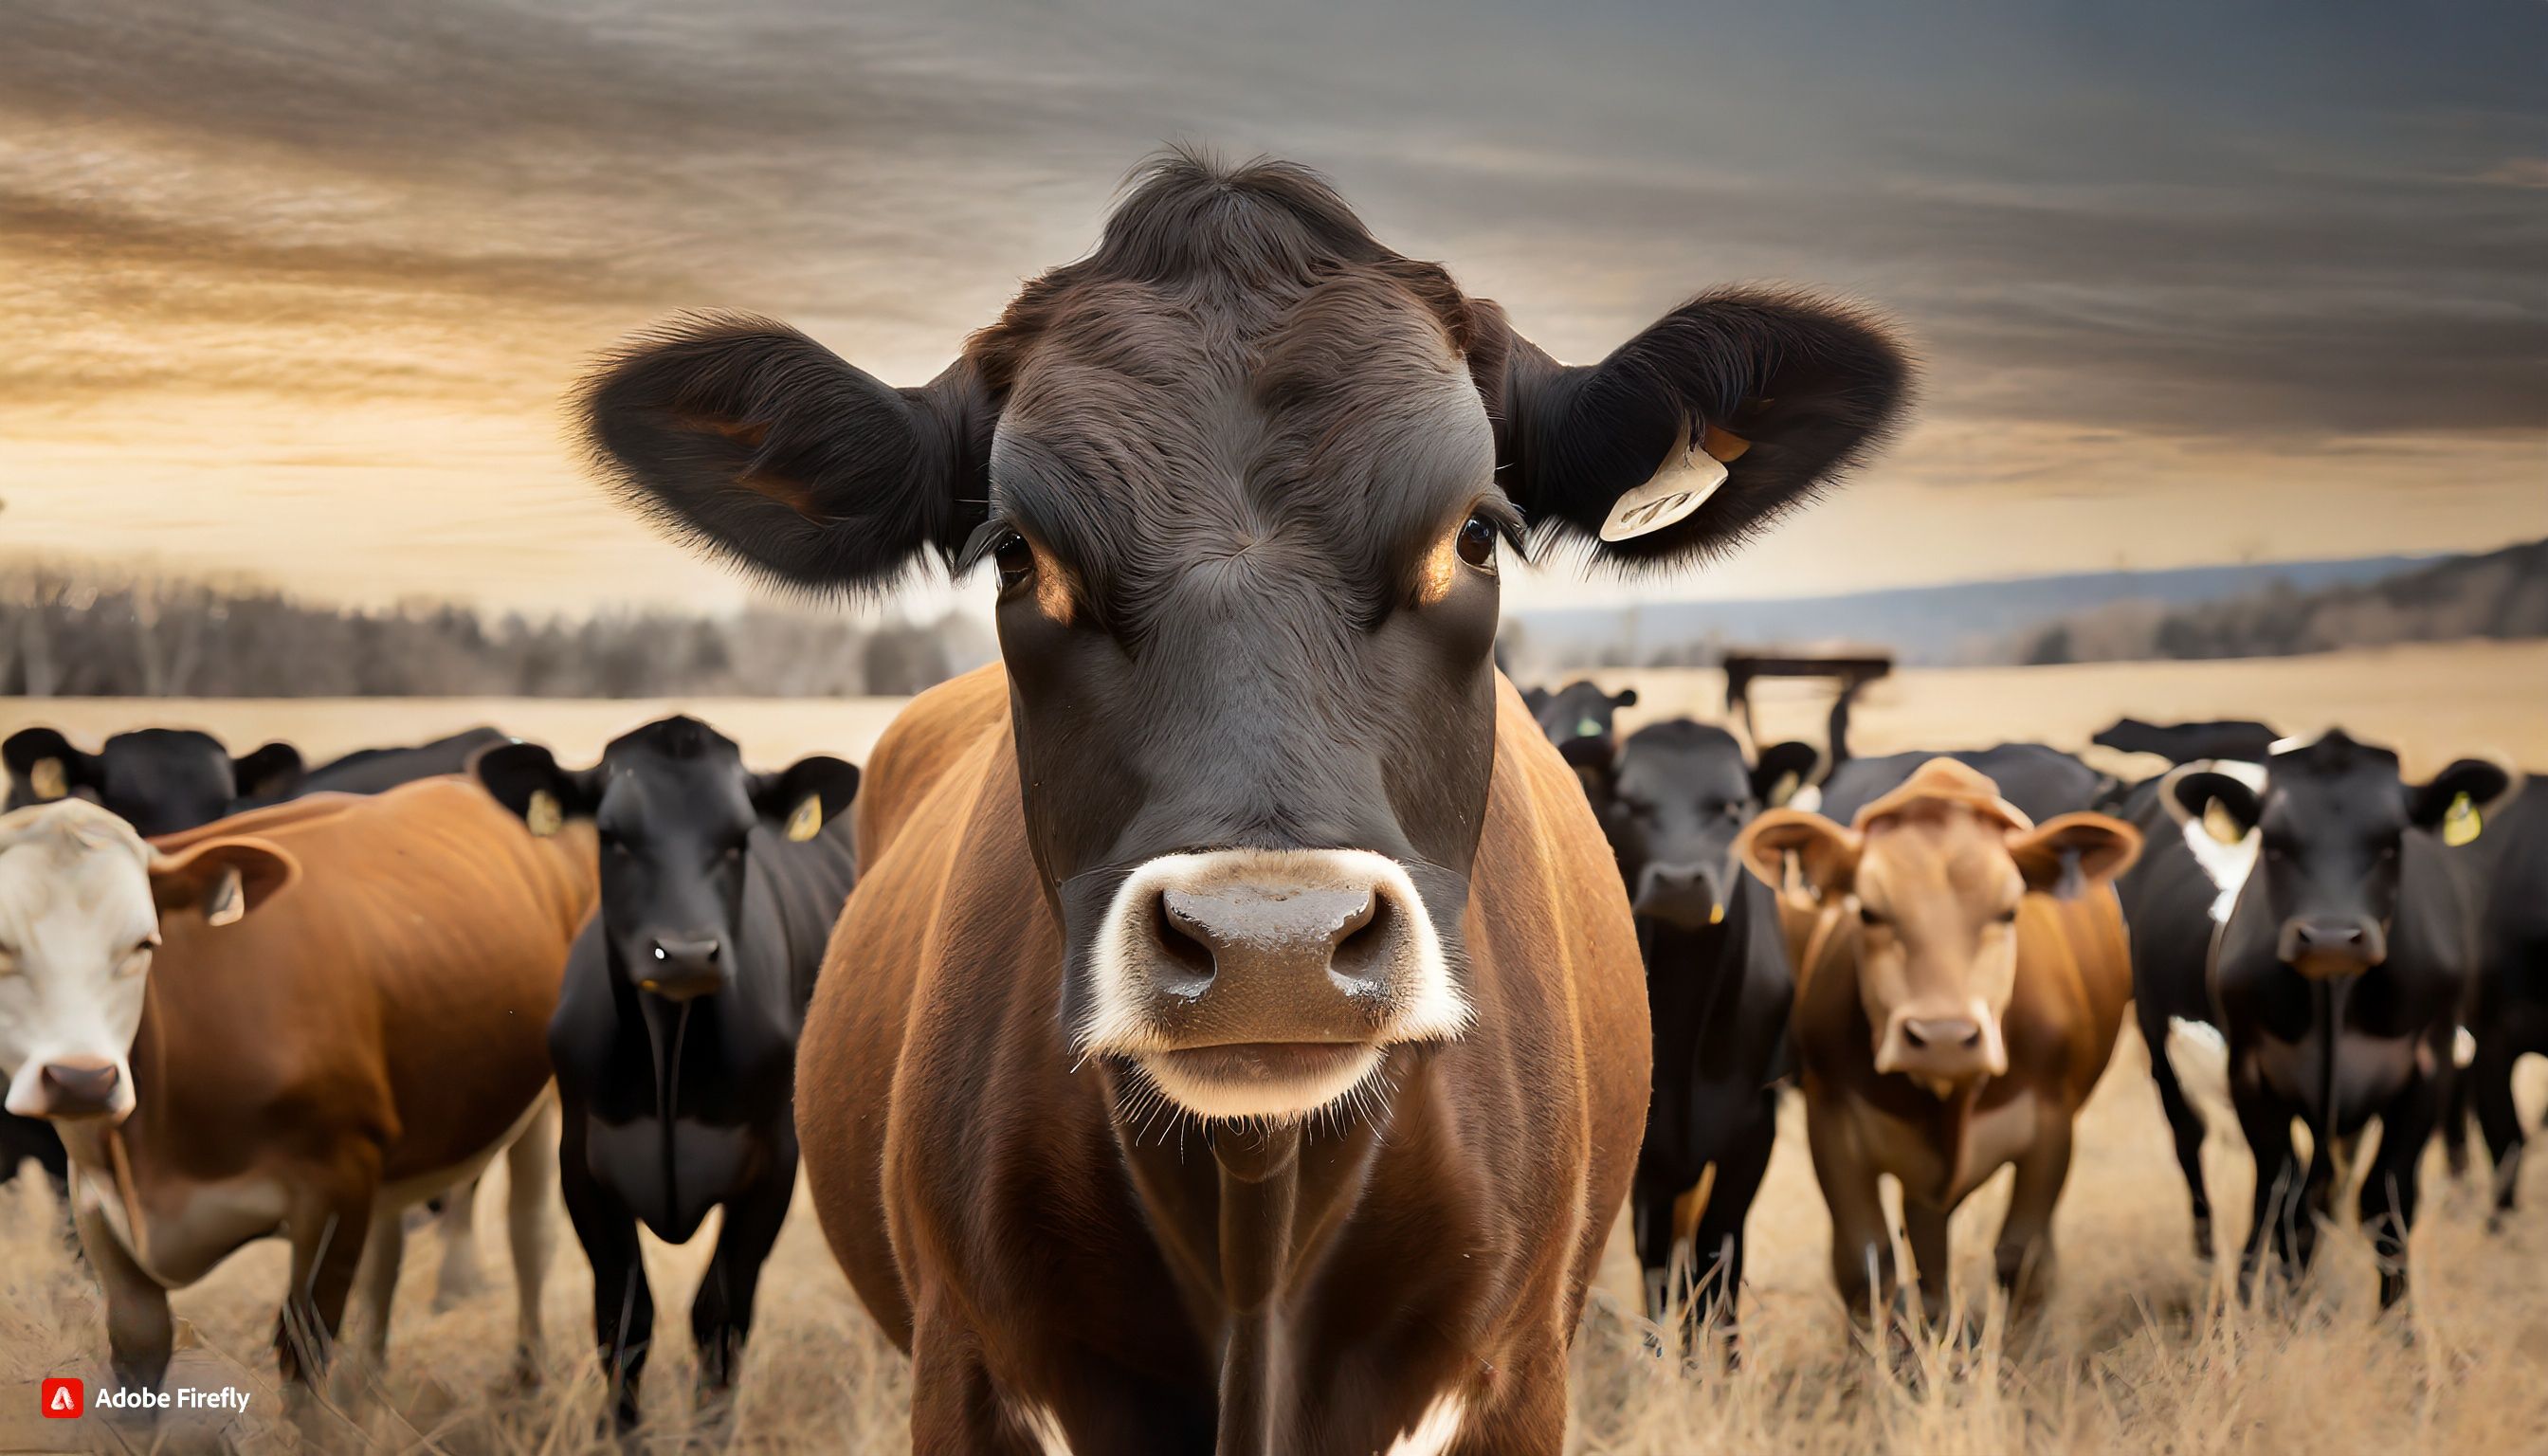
column 2138, row 1350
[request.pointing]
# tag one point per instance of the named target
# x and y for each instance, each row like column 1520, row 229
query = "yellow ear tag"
column 2460, row 823
column 807, row 821
column 544, row 816
column 1716, row 915
column 2217, row 824
column 47, row 780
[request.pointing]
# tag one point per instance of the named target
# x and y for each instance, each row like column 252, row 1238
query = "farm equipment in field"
column 1848, row 672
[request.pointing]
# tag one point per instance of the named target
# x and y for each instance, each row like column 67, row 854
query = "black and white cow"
column 1719, row 989
column 675, row 1039
column 2505, row 853
column 2238, row 739
column 2339, row 973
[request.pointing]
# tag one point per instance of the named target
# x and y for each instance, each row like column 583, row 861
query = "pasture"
column 2138, row 1350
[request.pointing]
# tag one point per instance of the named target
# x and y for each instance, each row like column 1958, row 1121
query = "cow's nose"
column 2335, row 946
column 1685, row 895
column 682, row 969
column 79, row 1089
column 1267, row 934
column 1950, row 1034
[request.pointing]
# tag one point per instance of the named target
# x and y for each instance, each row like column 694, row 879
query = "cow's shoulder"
column 932, row 733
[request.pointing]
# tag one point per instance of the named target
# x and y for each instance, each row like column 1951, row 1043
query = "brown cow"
column 1959, row 996
column 1236, row 1040
column 300, row 1021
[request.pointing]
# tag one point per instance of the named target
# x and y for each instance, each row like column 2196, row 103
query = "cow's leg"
column 461, row 1278
column 623, row 1307
column 2489, row 1081
column 2267, row 1124
column 140, row 1333
column 955, row 1407
column 1650, row 1211
column 1861, row 1254
column 2388, row 1207
column 1528, row 1417
column 530, row 1182
column 1924, row 1227
column 328, row 1222
column 1718, row 1245
column 721, row 1312
column 375, row 1292
column 2185, row 1125
column 2024, row 1258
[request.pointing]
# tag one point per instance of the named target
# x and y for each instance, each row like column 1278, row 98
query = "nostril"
column 1189, row 951
column 1911, row 1034
column 89, row 1082
column 1974, row 1042
column 1362, row 948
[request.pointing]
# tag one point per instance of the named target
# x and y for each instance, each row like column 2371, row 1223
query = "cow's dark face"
column 1583, row 721
column 676, row 817
column 1247, row 480
column 1679, row 796
column 160, row 780
column 2332, row 826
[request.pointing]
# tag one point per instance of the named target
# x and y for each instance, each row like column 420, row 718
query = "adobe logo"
column 63, row 1397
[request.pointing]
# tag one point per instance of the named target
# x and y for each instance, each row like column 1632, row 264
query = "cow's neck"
column 1245, row 1229
column 1690, row 975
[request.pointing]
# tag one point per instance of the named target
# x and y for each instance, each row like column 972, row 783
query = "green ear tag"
column 1586, row 728
column 807, row 821
column 2460, row 823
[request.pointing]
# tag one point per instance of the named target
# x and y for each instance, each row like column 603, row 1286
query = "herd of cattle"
column 1933, row 946
column 1245, row 1025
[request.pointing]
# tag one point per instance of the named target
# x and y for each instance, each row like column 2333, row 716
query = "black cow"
column 157, row 780
column 2187, row 743
column 1718, row 986
column 374, row 769
column 675, row 1039
column 2171, row 899
column 2509, row 1013
column 2043, row 782
column 2340, row 975
column 1580, row 719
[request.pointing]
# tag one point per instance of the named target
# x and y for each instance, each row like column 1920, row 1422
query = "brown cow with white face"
column 1236, row 1040
column 1960, row 994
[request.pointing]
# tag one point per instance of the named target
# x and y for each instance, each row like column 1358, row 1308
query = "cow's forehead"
column 1950, row 850
column 71, row 873
column 1129, row 406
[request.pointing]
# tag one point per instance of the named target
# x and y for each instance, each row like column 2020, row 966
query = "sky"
column 293, row 289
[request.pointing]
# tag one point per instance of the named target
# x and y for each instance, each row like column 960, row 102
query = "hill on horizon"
column 1941, row 625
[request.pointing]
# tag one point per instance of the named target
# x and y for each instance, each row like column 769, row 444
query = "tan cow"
column 1959, row 996
column 298, row 1021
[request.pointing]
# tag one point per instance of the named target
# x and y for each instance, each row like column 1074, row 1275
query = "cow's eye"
column 1869, row 915
column 1013, row 559
column 2008, row 916
column 1477, row 542
column 137, row 959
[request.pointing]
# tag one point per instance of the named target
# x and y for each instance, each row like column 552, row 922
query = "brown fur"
column 381, row 1021
column 1953, row 851
column 987, row 1213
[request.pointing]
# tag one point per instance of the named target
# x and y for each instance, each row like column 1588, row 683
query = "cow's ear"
column 1826, row 853
column 1697, row 433
column 747, row 438
column 43, row 766
column 525, row 778
column 2485, row 784
column 272, row 772
column 1534, row 698
column 1625, row 697
column 2190, row 792
column 2067, row 855
column 1783, row 769
column 807, row 795
column 221, row 878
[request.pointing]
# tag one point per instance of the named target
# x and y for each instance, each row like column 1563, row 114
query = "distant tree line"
column 2498, row 594
column 72, row 631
